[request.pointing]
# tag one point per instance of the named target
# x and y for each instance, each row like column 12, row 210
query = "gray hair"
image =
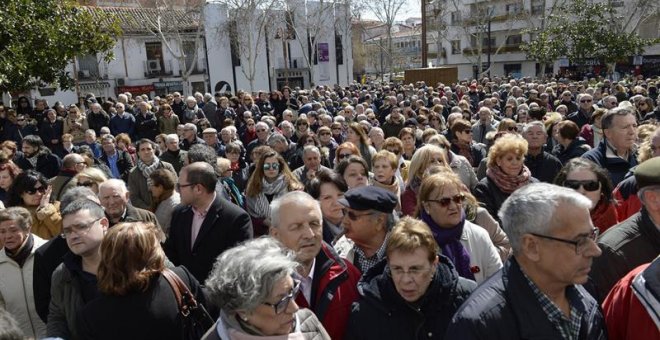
column 75, row 194
column 532, row 124
column 21, row 215
column 643, row 191
column 173, row 137
column 243, row 277
column 262, row 124
column 114, row 183
column 532, row 208
column 95, row 209
column 276, row 138
column 290, row 197
column 311, row 148
column 191, row 126
column 608, row 117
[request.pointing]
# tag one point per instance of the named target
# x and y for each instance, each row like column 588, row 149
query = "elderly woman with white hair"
column 253, row 286
column 191, row 112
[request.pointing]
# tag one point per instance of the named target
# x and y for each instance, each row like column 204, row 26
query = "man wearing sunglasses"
column 634, row 241
column 584, row 111
column 297, row 222
column 368, row 218
column 538, row 293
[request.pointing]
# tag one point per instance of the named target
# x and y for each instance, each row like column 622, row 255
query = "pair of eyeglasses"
column 261, row 130
column 271, row 166
column 324, row 134
column 353, row 216
column 467, row 131
column 344, row 155
column 445, row 201
column 581, row 244
column 590, row 185
column 33, row 191
column 303, row 124
column 78, row 229
column 167, row 109
column 586, row 101
column 512, row 128
column 280, row 306
column 179, row 186
column 85, row 184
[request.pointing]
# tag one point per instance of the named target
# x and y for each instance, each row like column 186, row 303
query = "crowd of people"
column 487, row 209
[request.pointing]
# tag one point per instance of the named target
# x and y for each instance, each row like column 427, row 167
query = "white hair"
column 297, row 197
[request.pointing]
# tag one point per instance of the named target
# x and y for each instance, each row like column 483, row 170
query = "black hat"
column 410, row 122
column 648, row 173
column 369, row 198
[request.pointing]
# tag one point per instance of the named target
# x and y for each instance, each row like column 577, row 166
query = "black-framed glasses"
column 458, row 199
column 344, row 155
column 586, row 101
column 589, row 185
column 34, row 190
column 415, row 272
column 179, row 186
column 78, row 229
column 513, row 128
column 271, row 166
column 280, row 306
column 581, row 244
column 353, row 216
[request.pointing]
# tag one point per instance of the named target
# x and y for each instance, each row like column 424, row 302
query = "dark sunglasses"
column 352, row 215
column 280, row 306
column 34, row 190
column 324, row 134
column 458, row 199
column 269, row 166
column 513, row 128
column 85, row 184
column 586, row 101
column 590, row 185
column 344, row 155
column 261, row 130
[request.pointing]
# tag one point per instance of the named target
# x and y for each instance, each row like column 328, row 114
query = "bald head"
column 73, row 161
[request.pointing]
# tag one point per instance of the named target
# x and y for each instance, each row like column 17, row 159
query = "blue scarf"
column 449, row 241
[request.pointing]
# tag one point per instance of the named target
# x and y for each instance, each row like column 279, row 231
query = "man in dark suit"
column 204, row 225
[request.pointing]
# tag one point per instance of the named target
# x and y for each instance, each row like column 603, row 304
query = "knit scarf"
column 259, row 207
column 508, row 183
column 449, row 240
column 465, row 151
column 148, row 169
column 23, row 252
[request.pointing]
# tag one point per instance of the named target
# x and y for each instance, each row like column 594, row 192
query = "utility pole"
column 424, row 46
column 489, row 45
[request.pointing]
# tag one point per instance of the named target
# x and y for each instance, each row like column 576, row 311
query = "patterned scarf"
column 259, row 206
column 449, row 241
column 465, row 151
column 148, row 169
column 506, row 182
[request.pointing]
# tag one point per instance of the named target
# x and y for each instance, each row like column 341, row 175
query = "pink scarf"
column 506, row 182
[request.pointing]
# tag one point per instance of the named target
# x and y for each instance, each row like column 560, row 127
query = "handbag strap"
column 184, row 298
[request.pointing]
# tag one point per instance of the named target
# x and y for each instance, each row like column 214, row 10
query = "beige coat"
column 16, row 293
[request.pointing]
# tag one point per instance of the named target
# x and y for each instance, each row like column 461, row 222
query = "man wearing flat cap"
column 368, row 219
column 635, row 241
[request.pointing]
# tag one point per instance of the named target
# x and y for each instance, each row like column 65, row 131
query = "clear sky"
column 412, row 8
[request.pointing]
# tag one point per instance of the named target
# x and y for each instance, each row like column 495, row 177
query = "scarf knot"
column 508, row 183
column 449, row 240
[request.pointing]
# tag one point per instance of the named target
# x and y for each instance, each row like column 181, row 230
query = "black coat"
column 616, row 167
column 47, row 163
column 224, row 226
column 152, row 314
column 49, row 131
column 625, row 246
column 505, row 307
column 576, row 149
column 381, row 313
column 146, row 126
column 490, row 196
column 46, row 259
column 124, row 163
column 543, row 167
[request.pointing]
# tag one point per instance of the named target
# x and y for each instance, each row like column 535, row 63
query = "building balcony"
column 484, row 50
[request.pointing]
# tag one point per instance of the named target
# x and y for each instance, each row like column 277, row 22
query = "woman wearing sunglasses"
column 356, row 135
column 90, row 178
column 253, row 286
column 345, row 150
column 592, row 181
column 271, row 178
column 441, row 205
column 415, row 289
column 31, row 191
column 425, row 157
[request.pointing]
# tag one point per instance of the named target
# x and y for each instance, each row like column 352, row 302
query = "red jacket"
column 334, row 288
column 625, row 316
